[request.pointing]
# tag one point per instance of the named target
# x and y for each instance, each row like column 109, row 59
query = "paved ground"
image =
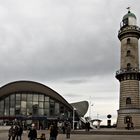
column 4, row 136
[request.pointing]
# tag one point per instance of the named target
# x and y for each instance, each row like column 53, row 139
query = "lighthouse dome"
column 129, row 14
column 129, row 19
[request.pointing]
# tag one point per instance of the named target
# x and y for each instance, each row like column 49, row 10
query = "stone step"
column 101, row 132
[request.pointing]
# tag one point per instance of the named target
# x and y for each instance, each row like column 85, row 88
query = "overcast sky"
column 69, row 45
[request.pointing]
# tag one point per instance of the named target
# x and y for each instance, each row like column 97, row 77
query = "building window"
column 12, row 101
column 41, row 104
column 52, row 107
column 41, row 111
column 35, row 97
column 128, row 100
column 18, row 96
column 128, row 40
column 29, row 97
column 7, row 106
column 62, row 109
column 127, row 119
column 12, row 111
column 31, row 103
column 23, row 107
column 47, row 98
column 23, row 97
column 18, row 107
column 1, row 107
column 41, row 97
column 35, row 108
column 57, row 111
column 128, row 53
column 125, row 22
column 46, row 105
column 46, row 112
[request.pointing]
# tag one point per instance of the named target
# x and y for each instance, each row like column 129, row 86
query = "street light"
column 74, row 109
column 90, row 110
column 90, row 105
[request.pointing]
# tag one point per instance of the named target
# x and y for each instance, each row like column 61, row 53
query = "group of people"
column 15, row 132
column 54, row 131
column 66, row 128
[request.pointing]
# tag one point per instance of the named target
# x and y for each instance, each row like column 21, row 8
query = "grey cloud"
column 70, row 44
column 76, row 81
column 71, row 95
column 59, row 40
column 105, row 98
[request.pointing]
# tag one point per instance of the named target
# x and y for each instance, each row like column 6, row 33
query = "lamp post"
column 73, row 116
column 97, row 116
column 90, row 105
column 90, row 110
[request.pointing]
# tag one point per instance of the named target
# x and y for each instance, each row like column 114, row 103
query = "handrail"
column 128, row 70
column 130, row 27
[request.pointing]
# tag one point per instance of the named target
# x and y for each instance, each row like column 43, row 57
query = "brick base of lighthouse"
column 133, row 113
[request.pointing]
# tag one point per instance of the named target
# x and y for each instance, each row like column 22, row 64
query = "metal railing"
column 128, row 70
column 130, row 27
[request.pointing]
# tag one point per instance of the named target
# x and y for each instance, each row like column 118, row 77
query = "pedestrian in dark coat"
column 53, row 132
column 68, row 131
column 32, row 133
column 88, row 126
column 13, row 133
column 10, row 133
column 19, row 132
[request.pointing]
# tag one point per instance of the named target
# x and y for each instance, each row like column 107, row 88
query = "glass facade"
column 32, row 104
column 28, row 102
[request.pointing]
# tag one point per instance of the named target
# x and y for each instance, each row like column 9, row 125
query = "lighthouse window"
column 128, row 41
column 125, row 22
column 128, row 100
column 128, row 66
column 128, row 53
column 127, row 119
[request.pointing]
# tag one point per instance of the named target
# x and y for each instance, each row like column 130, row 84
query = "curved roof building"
column 32, row 101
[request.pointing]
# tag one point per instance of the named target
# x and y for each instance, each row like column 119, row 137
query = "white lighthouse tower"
column 129, row 74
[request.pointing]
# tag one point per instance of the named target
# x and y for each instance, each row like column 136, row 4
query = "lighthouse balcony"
column 129, row 27
column 129, row 31
column 128, row 74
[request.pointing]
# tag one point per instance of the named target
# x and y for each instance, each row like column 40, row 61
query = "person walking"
column 68, row 130
column 19, row 132
column 10, row 134
column 53, row 132
column 88, row 126
column 14, row 132
column 32, row 133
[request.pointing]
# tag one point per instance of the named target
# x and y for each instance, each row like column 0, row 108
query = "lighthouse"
column 129, row 73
